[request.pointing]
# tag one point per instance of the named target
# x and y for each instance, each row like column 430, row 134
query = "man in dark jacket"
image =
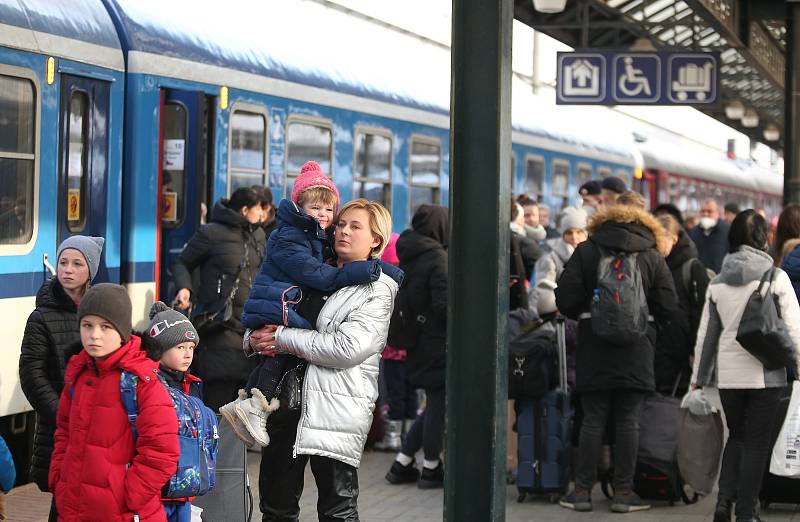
column 611, row 378
column 423, row 258
column 228, row 251
column 711, row 236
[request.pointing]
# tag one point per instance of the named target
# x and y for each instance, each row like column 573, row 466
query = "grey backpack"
column 619, row 305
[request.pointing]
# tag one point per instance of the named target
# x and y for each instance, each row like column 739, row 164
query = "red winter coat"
column 96, row 473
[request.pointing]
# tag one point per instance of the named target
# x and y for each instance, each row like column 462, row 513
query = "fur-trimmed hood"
column 628, row 228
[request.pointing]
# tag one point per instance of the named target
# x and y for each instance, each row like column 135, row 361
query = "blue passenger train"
column 128, row 118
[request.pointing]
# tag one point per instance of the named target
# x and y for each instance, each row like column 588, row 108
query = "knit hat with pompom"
column 311, row 175
column 168, row 328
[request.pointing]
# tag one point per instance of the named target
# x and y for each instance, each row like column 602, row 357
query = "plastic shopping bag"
column 785, row 460
column 700, row 449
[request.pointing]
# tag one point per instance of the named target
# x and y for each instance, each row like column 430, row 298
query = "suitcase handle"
column 561, row 342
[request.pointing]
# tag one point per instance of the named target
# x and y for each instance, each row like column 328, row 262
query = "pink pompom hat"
column 311, row 175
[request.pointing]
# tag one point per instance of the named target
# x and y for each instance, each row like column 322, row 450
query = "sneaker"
column 399, row 474
column 626, row 501
column 253, row 413
column 228, row 411
column 722, row 512
column 432, row 478
column 577, row 499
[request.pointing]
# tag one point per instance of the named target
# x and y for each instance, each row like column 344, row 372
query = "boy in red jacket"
column 97, row 473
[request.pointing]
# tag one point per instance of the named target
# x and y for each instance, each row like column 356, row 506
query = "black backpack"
column 405, row 326
column 619, row 305
column 531, row 356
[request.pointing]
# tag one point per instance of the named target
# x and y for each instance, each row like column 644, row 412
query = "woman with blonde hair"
column 340, row 385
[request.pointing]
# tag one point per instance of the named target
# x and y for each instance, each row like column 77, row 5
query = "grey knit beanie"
column 111, row 302
column 91, row 248
column 572, row 217
column 168, row 328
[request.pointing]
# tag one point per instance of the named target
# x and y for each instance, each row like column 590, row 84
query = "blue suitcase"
column 544, row 431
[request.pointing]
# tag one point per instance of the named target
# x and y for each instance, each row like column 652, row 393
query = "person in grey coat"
column 341, row 380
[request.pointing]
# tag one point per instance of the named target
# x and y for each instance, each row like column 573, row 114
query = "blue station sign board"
column 637, row 78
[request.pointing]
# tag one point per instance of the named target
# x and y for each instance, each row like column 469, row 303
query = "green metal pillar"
column 480, row 140
column 791, row 140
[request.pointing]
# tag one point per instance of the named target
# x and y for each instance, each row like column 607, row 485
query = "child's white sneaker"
column 253, row 413
column 229, row 412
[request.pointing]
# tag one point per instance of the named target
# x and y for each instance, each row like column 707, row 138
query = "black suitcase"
column 544, row 431
column 775, row 489
column 231, row 499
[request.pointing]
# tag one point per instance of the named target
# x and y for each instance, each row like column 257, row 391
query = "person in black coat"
column 228, row 251
column 675, row 340
column 50, row 338
column 611, row 378
column 423, row 258
column 710, row 236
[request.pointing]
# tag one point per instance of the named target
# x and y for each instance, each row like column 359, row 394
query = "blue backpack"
column 197, row 433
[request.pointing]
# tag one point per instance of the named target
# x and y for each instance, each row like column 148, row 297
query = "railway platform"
column 381, row 502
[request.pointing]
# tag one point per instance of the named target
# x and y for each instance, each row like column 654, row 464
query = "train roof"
column 696, row 161
column 80, row 30
column 310, row 44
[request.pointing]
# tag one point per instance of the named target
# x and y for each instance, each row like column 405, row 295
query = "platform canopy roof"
column 750, row 35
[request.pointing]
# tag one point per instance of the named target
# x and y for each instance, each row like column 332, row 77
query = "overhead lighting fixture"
column 734, row 110
column 549, row 6
column 750, row 119
column 643, row 45
column 772, row 132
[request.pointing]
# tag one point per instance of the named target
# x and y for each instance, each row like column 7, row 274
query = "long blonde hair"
column 380, row 222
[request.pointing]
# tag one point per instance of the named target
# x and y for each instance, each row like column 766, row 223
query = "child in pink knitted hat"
column 296, row 260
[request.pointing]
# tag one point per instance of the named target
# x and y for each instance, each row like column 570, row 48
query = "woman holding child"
column 340, row 385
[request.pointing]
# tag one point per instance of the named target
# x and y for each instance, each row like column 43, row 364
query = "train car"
column 686, row 175
column 61, row 95
column 248, row 102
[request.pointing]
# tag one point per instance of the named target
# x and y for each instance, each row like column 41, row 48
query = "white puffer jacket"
column 730, row 290
column 341, row 382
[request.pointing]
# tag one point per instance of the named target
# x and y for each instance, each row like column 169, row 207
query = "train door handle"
column 46, row 263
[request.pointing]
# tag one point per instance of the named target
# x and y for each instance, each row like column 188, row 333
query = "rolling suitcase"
column 775, row 489
column 231, row 499
column 544, row 429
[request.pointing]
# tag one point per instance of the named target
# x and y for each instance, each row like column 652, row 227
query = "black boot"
column 754, row 518
column 399, row 474
column 432, row 478
column 722, row 513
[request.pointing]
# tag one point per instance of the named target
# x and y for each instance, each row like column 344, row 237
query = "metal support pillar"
column 480, row 130
column 791, row 170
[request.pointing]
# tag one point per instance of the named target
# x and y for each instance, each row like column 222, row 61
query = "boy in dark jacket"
column 614, row 377
column 296, row 254
column 170, row 341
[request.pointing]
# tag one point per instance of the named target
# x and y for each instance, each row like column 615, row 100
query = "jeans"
column 626, row 406
column 401, row 397
column 178, row 511
column 280, row 481
column 750, row 415
column 427, row 432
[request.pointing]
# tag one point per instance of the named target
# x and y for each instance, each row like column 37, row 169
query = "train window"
column 307, row 141
column 424, row 170
column 372, row 169
column 513, row 174
column 17, row 158
column 173, row 188
column 534, row 177
column 76, row 161
column 584, row 173
column 560, row 177
column 248, row 144
column 625, row 176
column 603, row 172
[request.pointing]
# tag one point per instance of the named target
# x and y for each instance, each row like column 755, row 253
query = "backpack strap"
column 128, row 383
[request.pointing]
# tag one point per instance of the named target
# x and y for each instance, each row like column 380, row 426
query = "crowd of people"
column 280, row 324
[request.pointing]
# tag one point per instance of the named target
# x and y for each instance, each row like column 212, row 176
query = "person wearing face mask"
column 710, row 236
column 591, row 194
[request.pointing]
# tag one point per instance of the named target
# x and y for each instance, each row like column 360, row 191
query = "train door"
column 184, row 183
column 83, row 162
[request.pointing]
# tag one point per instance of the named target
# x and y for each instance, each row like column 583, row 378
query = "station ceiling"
column 750, row 36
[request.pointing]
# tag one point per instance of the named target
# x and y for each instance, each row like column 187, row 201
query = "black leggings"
column 427, row 432
column 280, row 481
column 750, row 415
